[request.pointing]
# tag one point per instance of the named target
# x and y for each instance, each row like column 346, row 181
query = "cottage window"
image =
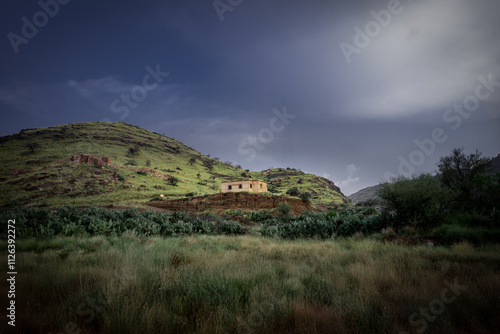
column 250, row 185
column 240, row 186
column 261, row 186
column 229, row 187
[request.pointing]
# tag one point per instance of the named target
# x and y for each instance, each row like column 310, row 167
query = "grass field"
column 250, row 284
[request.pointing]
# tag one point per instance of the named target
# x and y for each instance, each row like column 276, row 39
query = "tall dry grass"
column 217, row 284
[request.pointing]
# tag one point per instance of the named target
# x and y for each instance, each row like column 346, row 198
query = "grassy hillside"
column 143, row 165
column 280, row 180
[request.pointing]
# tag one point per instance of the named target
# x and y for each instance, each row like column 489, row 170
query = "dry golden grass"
column 218, row 284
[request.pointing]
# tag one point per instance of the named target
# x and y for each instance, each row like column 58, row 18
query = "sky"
column 355, row 91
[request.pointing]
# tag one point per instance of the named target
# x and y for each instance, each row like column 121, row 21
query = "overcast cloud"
column 354, row 121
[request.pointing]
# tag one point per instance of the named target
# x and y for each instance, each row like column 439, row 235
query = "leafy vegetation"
column 338, row 269
column 343, row 223
column 460, row 203
column 91, row 221
column 416, row 200
column 305, row 196
column 468, row 177
column 294, row 191
column 172, row 180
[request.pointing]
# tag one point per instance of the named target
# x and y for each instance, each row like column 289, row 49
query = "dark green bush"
column 130, row 163
column 369, row 211
column 172, row 180
column 132, row 151
column 230, row 227
column 452, row 233
column 260, row 216
column 300, row 227
column 373, row 224
column 322, row 225
column 349, row 227
column 305, row 195
column 284, row 210
column 69, row 221
column 418, row 200
column 201, row 226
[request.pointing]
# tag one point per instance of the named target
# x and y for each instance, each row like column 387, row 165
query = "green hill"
column 142, row 165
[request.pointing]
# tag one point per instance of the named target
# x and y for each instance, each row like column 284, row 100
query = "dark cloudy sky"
column 316, row 85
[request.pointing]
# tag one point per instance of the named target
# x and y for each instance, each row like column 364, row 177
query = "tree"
column 209, row 163
column 192, row 161
column 458, row 169
column 132, row 151
column 461, row 173
column 33, row 146
column 418, row 200
column 172, row 180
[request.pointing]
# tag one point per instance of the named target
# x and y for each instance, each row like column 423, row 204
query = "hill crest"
column 142, row 165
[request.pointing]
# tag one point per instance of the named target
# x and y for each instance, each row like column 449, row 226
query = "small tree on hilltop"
column 209, row 163
column 192, row 161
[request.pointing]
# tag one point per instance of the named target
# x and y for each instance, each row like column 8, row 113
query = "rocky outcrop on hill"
column 232, row 201
column 91, row 160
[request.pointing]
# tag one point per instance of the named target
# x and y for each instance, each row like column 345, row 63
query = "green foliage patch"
column 92, row 221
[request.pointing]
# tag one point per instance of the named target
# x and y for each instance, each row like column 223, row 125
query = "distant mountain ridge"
column 495, row 164
column 365, row 194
